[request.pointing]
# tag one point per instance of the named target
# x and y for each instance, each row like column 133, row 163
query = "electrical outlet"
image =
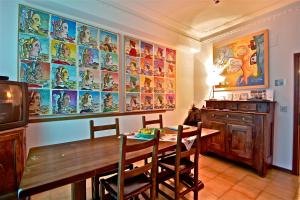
column 283, row 108
column 279, row 82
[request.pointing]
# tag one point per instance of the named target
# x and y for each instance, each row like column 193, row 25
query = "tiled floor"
column 223, row 180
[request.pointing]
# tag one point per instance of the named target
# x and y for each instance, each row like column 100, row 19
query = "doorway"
column 296, row 137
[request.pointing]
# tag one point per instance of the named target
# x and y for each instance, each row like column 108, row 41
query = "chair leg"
column 95, row 188
column 176, row 184
column 102, row 191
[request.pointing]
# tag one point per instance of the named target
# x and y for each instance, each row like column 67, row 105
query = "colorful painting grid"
column 150, row 73
column 66, row 63
column 73, row 67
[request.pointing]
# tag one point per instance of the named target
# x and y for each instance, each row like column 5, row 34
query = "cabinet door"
column 240, row 141
column 11, row 161
column 217, row 142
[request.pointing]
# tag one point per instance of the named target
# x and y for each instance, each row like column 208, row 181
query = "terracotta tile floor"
column 223, row 180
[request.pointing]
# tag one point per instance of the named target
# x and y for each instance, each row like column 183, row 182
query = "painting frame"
column 242, row 62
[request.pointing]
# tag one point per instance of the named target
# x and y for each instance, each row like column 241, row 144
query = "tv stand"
column 12, row 160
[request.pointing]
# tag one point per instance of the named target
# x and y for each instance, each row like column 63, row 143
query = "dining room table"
column 52, row 166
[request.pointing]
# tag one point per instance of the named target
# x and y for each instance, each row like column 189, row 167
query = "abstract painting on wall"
column 242, row 63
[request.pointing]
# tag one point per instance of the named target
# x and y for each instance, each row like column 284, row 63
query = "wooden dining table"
column 52, row 166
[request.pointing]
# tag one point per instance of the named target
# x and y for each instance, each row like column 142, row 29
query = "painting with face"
column 109, row 81
column 33, row 21
column 39, row 101
column 89, row 101
column 159, row 52
column 146, row 50
column 132, row 65
column 109, row 102
column 159, row 101
column 171, row 55
column 63, row 53
column 132, row 83
column 109, row 42
column 109, row 61
column 87, row 35
column 159, row 85
column 88, row 57
column 147, row 66
column 62, row 29
column 63, row 77
column 170, row 85
column 170, row 101
column 132, row 46
column 89, row 79
column 170, row 70
column 147, row 84
column 159, row 69
column 146, row 102
column 35, row 73
column 64, row 102
column 132, row 102
column 33, row 48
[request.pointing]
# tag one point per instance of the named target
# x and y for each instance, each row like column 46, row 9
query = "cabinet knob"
column 243, row 118
column 227, row 116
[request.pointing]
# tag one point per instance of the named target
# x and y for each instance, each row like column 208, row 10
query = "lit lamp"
column 213, row 79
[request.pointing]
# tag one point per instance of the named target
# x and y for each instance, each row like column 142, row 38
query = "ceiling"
column 197, row 19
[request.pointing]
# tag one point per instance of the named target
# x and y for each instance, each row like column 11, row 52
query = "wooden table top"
column 52, row 166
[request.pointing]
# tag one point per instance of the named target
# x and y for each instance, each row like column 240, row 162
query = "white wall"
column 95, row 13
column 284, row 41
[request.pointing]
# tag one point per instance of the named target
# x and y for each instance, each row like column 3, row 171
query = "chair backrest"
column 181, row 153
column 94, row 128
column 122, row 174
column 149, row 122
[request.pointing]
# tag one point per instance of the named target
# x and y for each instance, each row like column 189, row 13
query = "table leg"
column 78, row 190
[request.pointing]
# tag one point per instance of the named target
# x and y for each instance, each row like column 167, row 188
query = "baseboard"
column 282, row 169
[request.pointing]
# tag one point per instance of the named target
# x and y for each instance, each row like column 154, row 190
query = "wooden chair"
column 130, row 183
column 179, row 166
column 150, row 122
column 95, row 179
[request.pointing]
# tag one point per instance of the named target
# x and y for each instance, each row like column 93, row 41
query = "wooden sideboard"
column 12, row 160
column 246, row 131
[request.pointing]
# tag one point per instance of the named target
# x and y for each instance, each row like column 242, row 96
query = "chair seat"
column 132, row 185
column 169, row 164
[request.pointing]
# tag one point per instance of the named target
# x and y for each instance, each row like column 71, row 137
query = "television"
column 13, row 104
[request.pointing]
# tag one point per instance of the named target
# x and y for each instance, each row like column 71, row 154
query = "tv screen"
column 13, row 104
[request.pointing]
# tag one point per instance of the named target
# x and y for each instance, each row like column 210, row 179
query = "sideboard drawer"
column 231, row 105
column 248, row 106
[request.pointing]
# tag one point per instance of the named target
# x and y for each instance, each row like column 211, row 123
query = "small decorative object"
column 235, row 96
column 229, row 96
column 243, row 62
column 243, row 96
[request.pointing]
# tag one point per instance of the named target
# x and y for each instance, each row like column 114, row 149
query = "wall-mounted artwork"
column 87, row 35
column 73, row 67
column 70, row 67
column 132, row 102
column 242, row 63
column 89, row 101
column 35, row 73
column 150, row 73
column 110, row 101
column 39, row 101
column 62, row 29
column 64, row 101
